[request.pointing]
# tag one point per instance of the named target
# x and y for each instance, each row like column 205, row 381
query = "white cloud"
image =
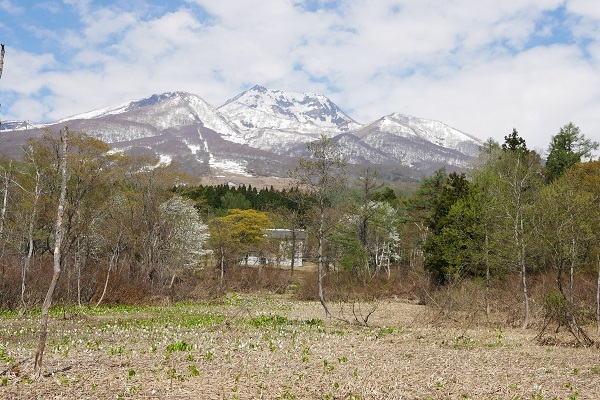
column 586, row 8
column 24, row 73
column 474, row 65
column 10, row 7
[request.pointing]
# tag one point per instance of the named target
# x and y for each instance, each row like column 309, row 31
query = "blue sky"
column 483, row 67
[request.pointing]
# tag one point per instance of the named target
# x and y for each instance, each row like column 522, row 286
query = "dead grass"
column 251, row 347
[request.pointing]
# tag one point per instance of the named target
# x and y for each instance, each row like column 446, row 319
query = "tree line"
column 514, row 214
column 134, row 228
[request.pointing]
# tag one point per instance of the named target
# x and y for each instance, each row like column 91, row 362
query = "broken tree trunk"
column 1, row 59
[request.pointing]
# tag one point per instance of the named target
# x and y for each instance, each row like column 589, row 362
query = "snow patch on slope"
column 230, row 166
column 223, row 165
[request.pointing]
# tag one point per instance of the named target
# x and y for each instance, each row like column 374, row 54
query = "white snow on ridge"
column 168, row 110
column 433, row 131
column 115, row 109
column 261, row 108
column 212, row 119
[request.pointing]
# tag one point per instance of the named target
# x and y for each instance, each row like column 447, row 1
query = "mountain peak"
column 258, row 88
column 130, row 105
column 157, row 98
column 263, row 108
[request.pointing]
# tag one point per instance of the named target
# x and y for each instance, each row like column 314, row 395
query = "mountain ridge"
column 262, row 131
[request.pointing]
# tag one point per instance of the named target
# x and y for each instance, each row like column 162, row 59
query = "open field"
column 250, row 347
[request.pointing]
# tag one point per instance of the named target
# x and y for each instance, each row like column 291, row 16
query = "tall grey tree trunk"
column 571, row 274
column 5, row 190
column 1, row 59
column 571, row 279
column 598, row 296
column 487, row 276
column 293, row 260
column 222, row 263
column 77, row 260
column 525, row 295
column 37, row 192
column 59, row 233
column 320, row 266
column 521, row 252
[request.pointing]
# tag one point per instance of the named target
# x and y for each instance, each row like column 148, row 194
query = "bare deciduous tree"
column 323, row 175
column 59, row 233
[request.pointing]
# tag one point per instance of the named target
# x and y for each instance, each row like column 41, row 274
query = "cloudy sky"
column 481, row 66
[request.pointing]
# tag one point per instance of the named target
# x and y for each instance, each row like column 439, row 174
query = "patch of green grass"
column 464, row 342
column 314, row 322
column 381, row 332
column 202, row 320
column 232, row 299
column 268, row 320
column 193, row 370
column 8, row 313
column 181, row 345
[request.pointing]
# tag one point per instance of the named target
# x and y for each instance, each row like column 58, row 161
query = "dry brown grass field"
column 268, row 347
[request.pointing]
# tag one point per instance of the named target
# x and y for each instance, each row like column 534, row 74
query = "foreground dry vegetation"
column 246, row 347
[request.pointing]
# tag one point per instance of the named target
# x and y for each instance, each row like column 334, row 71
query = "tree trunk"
column 1, row 59
column 7, row 179
column 598, row 296
column 487, row 276
column 110, row 263
column 27, row 262
column 222, row 264
column 28, row 258
column 293, row 260
column 519, row 229
column 39, row 354
column 320, row 266
column 525, row 296
column 78, row 269
column 571, row 275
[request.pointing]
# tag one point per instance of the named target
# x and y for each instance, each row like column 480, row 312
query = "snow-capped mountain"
column 275, row 120
column 158, row 112
column 420, row 143
column 432, row 131
column 259, row 132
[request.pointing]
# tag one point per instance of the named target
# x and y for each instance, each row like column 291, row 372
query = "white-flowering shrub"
column 183, row 233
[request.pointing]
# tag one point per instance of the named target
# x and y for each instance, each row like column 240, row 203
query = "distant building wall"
column 282, row 248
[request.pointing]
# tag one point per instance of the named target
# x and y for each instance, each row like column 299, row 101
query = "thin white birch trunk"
column 27, row 262
column 39, row 354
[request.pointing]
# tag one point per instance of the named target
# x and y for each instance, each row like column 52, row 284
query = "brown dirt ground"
column 407, row 352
